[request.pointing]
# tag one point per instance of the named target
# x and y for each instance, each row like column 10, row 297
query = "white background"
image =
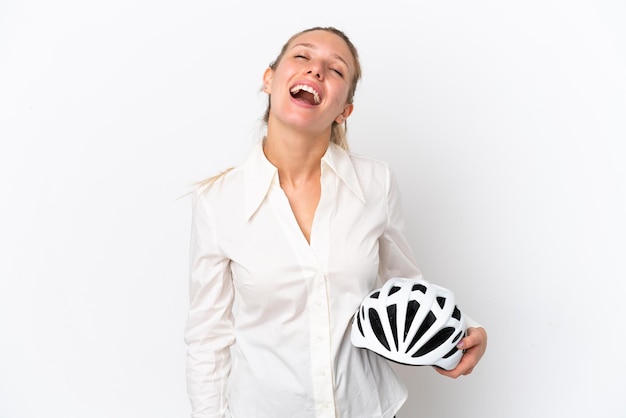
column 503, row 120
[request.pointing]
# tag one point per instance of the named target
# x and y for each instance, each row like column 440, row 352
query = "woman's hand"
column 474, row 345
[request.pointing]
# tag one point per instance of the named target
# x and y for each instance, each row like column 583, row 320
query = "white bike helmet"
column 411, row 321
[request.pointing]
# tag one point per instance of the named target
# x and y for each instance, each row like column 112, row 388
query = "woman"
column 285, row 246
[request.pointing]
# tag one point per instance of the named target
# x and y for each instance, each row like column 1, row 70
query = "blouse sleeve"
column 396, row 256
column 209, row 331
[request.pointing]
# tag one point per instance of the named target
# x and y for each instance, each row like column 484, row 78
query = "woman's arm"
column 396, row 260
column 209, row 331
column 395, row 254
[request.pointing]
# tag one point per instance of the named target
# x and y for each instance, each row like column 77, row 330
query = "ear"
column 347, row 111
column 268, row 76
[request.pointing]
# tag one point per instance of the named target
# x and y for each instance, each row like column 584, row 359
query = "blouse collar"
column 259, row 174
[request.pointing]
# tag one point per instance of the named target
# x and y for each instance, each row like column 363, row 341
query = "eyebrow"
column 312, row 46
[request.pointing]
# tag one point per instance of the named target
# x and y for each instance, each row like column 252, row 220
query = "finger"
column 468, row 341
column 444, row 372
column 472, row 339
column 468, row 361
column 449, row 373
column 465, row 365
column 468, row 372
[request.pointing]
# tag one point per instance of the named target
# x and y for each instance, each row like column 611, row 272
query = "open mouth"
column 305, row 94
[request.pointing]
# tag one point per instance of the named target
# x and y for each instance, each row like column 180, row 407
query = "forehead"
column 324, row 41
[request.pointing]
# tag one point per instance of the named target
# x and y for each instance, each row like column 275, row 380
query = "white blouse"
column 268, row 332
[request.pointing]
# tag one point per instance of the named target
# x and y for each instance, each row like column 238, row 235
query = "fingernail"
column 460, row 345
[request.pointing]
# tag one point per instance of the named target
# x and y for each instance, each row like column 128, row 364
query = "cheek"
column 274, row 83
column 342, row 93
column 340, row 98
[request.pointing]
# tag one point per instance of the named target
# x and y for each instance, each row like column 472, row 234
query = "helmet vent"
column 419, row 287
column 456, row 314
column 393, row 290
column 435, row 342
column 377, row 327
column 391, row 314
column 441, row 301
column 454, row 350
column 375, row 295
column 426, row 324
column 358, row 322
column 411, row 310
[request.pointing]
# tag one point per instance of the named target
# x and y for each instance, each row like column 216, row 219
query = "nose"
column 316, row 73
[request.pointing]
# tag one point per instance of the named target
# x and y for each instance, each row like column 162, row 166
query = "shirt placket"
column 321, row 362
column 319, row 306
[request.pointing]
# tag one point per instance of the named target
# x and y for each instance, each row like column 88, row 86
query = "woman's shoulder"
column 369, row 175
column 365, row 165
column 367, row 161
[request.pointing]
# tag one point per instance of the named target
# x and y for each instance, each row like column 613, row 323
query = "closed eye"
column 338, row 72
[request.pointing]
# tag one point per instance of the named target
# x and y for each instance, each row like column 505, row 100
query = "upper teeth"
column 316, row 96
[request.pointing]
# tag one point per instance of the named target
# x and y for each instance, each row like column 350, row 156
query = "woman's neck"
column 296, row 156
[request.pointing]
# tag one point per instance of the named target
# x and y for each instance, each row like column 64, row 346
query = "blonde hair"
column 338, row 131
